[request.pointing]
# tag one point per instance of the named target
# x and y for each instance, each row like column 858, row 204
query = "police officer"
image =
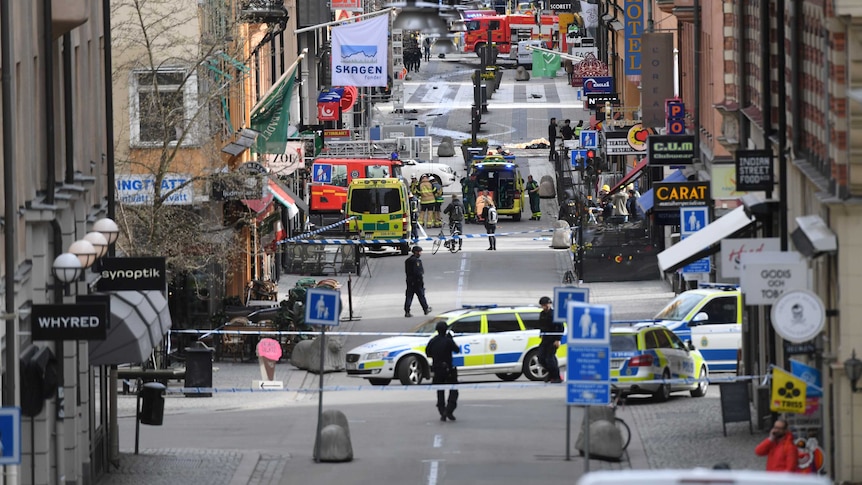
column 440, row 349
column 533, row 192
column 415, row 282
column 551, row 337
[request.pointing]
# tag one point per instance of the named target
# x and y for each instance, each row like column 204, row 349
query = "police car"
column 643, row 352
column 711, row 318
column 501, row 341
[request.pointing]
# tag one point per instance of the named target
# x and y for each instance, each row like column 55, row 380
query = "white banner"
column 360, row 53
column 139, row 189
column 766, row 275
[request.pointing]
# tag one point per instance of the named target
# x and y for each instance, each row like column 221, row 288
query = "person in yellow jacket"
column 438, row 203
column 427, row 201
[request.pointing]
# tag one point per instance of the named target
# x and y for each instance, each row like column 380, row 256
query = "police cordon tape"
column 206, row 333
column 412, row 240
column 434, row 387
column 317, row 231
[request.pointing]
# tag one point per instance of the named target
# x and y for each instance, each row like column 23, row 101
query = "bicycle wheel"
column 625, row 432
column 453, row 245
column 435, row 246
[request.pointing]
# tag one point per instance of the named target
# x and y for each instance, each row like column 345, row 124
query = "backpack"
column 492, row 215
column 457, row 212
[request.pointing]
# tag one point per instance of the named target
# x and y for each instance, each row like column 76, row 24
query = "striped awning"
column 286, row 197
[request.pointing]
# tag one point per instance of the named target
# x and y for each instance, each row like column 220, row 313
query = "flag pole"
column 290, row 70
column 342, row 21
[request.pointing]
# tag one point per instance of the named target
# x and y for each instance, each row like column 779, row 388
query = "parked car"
column 501, row 341
column 644, row 352
column 699, row 476
column 711, row 317
column 440, row 171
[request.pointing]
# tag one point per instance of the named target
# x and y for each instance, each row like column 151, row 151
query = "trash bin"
column 152, row 403
column 199, row 369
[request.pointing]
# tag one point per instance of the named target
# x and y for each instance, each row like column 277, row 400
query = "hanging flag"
column 271, row 115
column 360, row 53
column 788, row 392
column 545, row 64
column 809, row 374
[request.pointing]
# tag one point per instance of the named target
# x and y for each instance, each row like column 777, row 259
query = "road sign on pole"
column 589, row 139
column 563, row 295
column 322, row 306
column 588, row 373
column 10, row 436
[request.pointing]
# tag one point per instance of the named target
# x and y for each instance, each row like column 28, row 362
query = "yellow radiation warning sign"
column 788, row 392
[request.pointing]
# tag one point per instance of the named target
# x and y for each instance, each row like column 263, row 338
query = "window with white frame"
column 162, row 105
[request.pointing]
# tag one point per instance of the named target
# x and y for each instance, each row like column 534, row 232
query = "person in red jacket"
column 779, row 449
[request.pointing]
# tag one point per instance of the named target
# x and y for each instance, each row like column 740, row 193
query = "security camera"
column 813, row 237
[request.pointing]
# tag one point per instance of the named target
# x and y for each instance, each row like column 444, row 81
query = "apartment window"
column 162, row 105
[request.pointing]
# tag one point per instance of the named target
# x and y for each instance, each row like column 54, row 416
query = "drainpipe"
column 59, row 431
column 51, row 165
column 68, row 107
column 696, row 94
column 10, row 227
column 109, row 115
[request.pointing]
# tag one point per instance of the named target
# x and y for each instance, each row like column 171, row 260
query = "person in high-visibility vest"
column 426, row 200
column 438, row 204
column 578, row 128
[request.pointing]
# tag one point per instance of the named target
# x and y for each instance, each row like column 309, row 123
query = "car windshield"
column 375, row 201
column 624, row 343
column 429, row 326
column 679, row 307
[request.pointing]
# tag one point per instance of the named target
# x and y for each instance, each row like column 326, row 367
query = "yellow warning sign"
column 788, row 392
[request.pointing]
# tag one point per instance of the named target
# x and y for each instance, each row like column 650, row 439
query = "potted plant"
column 482, row 143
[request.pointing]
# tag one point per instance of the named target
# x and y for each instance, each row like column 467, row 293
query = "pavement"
column 680, row 433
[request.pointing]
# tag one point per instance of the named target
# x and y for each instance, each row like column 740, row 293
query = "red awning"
column 631, row 175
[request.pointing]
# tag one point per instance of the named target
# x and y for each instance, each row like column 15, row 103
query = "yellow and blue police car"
column 502, row 341
column 646, row 351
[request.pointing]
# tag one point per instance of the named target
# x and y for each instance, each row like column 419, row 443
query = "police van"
column 380, row 208
column 501, row 177
column 711, row 318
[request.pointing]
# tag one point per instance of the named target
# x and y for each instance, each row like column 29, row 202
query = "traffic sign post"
column 322, row 307
column 588, row 372
column 589, row 139
column 10, row 436
column 563, row 295
column 691, row 220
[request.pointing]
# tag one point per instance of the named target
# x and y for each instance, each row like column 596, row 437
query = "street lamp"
column 67, row 267
column 108, row 228
column 853, row 368
column 99, row 241
column 85, row 252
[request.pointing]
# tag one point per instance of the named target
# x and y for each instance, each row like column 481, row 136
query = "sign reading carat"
column 670, row 196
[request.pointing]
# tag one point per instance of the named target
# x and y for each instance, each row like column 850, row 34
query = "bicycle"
column 450, row 242
column 617, row 400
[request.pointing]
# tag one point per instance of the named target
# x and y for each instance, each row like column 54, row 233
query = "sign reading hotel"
column 634, row 11
column 670, row 196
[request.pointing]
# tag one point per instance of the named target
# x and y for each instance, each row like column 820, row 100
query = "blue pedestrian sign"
column 588, row 324
column 576, row 154
column 322, row 172
column 589, row 139
column 563, row 295
column 10, row 436
column 693, row 219
column 322, row 306
column 588, row 393
column 588, row 363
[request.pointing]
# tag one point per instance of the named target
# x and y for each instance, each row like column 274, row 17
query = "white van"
column 700, row 476
column 525, row 56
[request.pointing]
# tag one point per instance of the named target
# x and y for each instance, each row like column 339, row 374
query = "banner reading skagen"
column 670, row 149
column 360, row 53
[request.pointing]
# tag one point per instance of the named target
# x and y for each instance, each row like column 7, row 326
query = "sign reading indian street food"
column 670, row 149
column 754, row 170
column 673, row 195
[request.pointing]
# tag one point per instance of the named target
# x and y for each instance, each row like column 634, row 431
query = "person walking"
column 552, row 139
column 780, row 451
column 551, row 337
column 440, row 349
column 489, row 215
column 566, row 131
column 415, row 282
column 455, row 211
column 533, row 192
column 426, row 46
column 426, row 200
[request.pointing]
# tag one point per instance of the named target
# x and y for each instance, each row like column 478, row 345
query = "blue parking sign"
column 322, row 306
column 563, row 295
column 588, row 324
column 10, row 436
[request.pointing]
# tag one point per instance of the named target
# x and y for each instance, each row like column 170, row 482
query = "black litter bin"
column 152, row 403
column 199, row 369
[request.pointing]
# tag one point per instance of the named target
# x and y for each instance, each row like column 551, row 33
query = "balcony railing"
column 263, row 11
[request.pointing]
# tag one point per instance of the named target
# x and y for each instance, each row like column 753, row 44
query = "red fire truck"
column 507, row 30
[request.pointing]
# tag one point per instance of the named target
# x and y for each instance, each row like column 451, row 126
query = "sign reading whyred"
column 82, row 321
column 118, row 274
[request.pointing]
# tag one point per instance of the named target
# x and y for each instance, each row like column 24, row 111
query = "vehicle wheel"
column 701, row 386
column 663, row 393
column 625, row 432
column 516, row 217
column 405, row 248
column 409, row 370
column 511, row 376
column 478, row 49
column 532, row 368
column 379, row 382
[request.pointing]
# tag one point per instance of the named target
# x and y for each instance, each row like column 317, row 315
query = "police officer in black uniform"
column 415, row 282
column 440, row 349
column 551, row 337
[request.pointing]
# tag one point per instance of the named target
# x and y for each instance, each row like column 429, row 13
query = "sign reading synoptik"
column 670, row 149
column 82, row 321
column 669, row 196
column 118, row 274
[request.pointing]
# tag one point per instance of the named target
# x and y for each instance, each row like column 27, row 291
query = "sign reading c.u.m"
column 634, row 27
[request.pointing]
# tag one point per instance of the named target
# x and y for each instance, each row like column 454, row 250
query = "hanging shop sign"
column 669, row 196
column 754, row 170
column 81, row 321
column 617, row 143
column 670, row 150
column 131, row 274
